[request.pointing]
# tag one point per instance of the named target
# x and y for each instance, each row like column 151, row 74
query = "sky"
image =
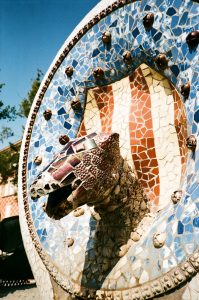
column 31, row 34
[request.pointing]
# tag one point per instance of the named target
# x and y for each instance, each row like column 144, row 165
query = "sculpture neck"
column 127, row 202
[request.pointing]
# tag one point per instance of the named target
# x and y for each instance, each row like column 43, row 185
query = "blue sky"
column 31, row 33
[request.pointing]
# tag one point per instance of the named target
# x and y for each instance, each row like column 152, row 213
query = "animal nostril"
column 75, row 184
column 47, row 187
column 55, row 186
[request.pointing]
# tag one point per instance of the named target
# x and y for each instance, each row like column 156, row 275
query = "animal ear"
column 115, row 136
column 112, row 139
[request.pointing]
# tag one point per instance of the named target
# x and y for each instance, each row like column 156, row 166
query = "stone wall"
column 8, row 206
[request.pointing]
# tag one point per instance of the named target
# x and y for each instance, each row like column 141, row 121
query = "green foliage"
column 10, row 157
column 6, row 112
column 26, row 103
column 5, row 133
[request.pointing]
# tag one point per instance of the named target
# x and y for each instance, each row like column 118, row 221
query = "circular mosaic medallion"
column 110, row 154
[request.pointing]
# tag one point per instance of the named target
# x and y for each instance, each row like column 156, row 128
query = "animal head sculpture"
column 84, row 172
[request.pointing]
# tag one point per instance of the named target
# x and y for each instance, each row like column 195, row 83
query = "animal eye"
column 90, row 144
column 79, row 145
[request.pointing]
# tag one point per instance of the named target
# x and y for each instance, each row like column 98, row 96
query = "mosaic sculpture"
column 109, row 191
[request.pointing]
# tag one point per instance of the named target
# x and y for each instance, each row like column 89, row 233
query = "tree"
column 10, row 157
column 5, row 133
column 6, row 113
column 26, row 103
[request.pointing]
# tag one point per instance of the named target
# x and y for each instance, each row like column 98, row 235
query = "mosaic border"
column 168, row 282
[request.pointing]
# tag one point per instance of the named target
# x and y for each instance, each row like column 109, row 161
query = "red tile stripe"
column 105, row 102
column 142, row 137
column 180, row 122
column 142, row 141
column 82, row 130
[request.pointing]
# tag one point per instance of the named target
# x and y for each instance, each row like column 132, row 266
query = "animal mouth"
column 58, row 206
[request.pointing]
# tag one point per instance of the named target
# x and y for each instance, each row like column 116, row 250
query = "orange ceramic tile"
column 82, row 130
column 105, row 103
column 181, row 127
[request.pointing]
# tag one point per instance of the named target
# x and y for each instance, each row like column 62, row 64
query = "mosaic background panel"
column 111, row 101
